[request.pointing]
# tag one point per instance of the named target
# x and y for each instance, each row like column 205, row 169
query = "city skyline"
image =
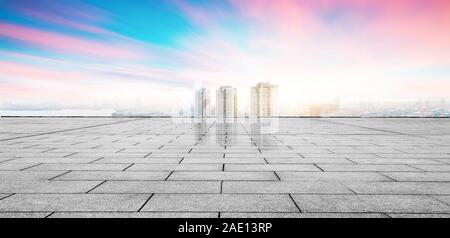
column 149, row 56
column 263, row 102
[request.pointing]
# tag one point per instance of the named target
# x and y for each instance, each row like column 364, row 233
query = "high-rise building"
column 226, row 102
column 264, row 100
column 202, row 103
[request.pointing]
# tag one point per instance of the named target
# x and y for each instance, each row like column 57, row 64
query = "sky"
column 152, row 54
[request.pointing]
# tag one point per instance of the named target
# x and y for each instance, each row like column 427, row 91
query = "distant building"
column 226, row 102
column 264, row 100
column 202, row 106
column 324, row 109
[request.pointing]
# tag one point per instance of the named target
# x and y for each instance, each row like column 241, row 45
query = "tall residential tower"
column 202, row 103
column 264, row 100
column 226, row 102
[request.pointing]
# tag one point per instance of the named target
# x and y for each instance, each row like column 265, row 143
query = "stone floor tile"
column 367, row 167
column 222, row 175
column 16, row 166
column 24, row 214
column 433, row 168
column 370, row 203
column 28, row 175
column 220, row 202
column 96, row 167
column 332, row 176
column 175, row 167
column 316, row 187
column 418, row 176
column 302, row 215
column 27, row 186
column 399, row 187
column 271, row 167
column 114, row 175
column 73, row 202
column 133, row 215
column 444, row 198
column 419, row 215
column 158, row 187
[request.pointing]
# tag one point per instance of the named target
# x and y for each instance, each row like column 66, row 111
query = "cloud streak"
column 63, row 43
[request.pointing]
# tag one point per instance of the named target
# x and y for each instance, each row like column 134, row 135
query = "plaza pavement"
column 168, row 167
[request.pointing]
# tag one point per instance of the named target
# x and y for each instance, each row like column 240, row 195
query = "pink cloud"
column 420, row 21
column 417, row 23
column 196, row 15
column 60, row 42
column 16, row 70
column 12, row 90
column 290, row 17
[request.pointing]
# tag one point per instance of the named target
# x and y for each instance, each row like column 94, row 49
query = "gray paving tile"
column 307, row 161
column 395, row 161
column 27, row 186
column 333, row 156
column 316, row 187
column 220, row 202
column 418, row 176
column 332, row 176
column 21, row 155
column 219, row 175
column 443, row 161
column 96, row 167
column 399, row 187
column 114, row 175
column 185, row 155
column 367, row 167
column 3, row 195
column 133, row 215
column 24, row 214
column 271, row 167
column 28, row 175
column 223, row 161
column 158, row 187
column 427, row 215
column 139, row 160
column 15, row 166
column 302, row 215
column 370, row 203
column 244, row 154
column 4, row 159
column 73, row 202
column 175, row 167
column 414, row 155
column 444, row 198
column 54, row 160
column 433, row 168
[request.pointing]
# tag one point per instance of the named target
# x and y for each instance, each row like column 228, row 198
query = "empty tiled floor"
column 174, row 167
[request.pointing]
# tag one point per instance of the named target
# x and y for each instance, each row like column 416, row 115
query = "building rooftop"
column 168, row 167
